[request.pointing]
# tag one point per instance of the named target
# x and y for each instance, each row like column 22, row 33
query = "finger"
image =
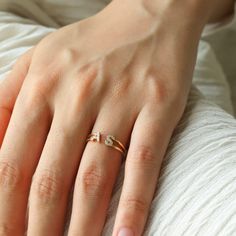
column 20, row 151
column 149, row 140
column 56, row 171
column 97, row 173
column 9, row 90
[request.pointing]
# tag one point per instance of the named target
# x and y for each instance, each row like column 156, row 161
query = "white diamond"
column 109, row 141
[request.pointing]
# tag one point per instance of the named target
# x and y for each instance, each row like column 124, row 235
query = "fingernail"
column 125, row 232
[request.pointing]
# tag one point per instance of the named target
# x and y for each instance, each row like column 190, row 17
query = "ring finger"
column 98, row 171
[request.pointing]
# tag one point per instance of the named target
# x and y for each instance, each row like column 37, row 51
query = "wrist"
column 122, row 19
column 199, row 10
column 131, row 20
column 194, row 13
column 169, row 13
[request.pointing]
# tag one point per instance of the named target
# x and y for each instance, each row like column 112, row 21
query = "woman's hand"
column 130, row 81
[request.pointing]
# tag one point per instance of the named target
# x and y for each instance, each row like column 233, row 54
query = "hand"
column 129, row 81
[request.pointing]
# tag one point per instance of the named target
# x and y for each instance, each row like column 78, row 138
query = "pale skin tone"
column 131, row 81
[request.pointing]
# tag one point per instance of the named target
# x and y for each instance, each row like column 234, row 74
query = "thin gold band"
column 110, row 140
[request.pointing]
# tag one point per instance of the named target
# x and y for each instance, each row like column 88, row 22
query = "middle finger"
column 56, row 171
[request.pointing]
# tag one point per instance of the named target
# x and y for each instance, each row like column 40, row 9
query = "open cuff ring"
column 110, row 141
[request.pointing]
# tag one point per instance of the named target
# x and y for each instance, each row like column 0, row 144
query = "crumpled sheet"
column 196, row 191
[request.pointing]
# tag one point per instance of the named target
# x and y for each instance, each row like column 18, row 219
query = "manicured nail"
column 125, row 232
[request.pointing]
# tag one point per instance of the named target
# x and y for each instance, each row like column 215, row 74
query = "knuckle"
column 69, row 55
column 10, row 175
column 39, row 84
column 164, row 92
column 83, row 86
column 134, row 204
column 119, row 87
column 158, row 90
column 93, row 181
column 48, row 186
column 32, row 102
column 86, row 80
column 142, row 155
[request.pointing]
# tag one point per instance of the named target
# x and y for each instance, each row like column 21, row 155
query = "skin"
column 136, row 75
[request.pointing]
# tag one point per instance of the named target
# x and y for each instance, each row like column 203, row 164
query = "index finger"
column 9, row 90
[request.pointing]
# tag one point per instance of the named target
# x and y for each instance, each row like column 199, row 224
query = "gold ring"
column 110, row 141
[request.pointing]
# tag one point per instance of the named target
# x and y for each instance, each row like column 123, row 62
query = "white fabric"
column 196, row 192
column 222, row 38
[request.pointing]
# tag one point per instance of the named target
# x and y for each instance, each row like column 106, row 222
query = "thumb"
column 10, row 88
